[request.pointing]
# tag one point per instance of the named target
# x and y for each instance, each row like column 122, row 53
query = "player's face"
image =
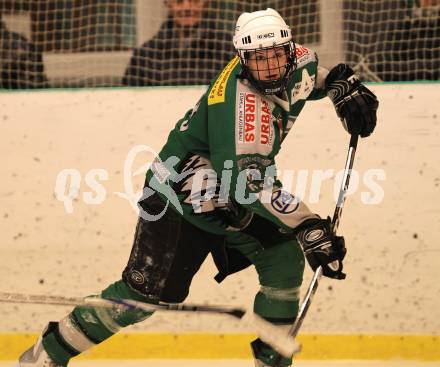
column 187, row 13
column 268, row 64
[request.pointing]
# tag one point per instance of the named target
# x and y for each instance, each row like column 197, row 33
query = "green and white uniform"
column 233, row 134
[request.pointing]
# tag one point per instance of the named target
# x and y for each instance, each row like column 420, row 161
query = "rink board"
column 236, row 346
column 391, row 287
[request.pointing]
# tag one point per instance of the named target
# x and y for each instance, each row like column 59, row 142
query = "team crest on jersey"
column 284, row 202
column 255, row 132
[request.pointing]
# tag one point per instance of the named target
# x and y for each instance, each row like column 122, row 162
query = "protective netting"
column 78, row 43
column 393, row 40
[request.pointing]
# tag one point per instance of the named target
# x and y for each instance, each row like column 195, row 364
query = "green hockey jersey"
column 217, row 167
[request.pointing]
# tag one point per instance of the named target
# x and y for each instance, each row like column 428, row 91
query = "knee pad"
column 280, row 271
column 281, row 294
column 281, row 268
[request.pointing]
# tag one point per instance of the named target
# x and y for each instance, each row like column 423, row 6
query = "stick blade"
column 276, row 336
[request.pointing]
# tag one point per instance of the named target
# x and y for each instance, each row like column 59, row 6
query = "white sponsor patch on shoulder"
column 304, row 55
column 254, row 130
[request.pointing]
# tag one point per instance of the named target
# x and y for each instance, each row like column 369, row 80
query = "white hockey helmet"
column 259, row 30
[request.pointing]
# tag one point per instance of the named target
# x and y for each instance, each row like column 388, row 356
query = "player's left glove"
column 322, row 248
column 355, row 104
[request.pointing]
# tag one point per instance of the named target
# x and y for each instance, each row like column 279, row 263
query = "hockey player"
column 213, row 189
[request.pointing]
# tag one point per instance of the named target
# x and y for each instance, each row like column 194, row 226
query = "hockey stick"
column 109, row 303
column 277, row 337
column 313, row 287
column 345, row 182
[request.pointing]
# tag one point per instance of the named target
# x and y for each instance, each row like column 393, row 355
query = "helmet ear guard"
column 264, row 30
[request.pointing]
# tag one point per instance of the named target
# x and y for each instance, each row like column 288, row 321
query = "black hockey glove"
column 322, row 248
column 355, row 104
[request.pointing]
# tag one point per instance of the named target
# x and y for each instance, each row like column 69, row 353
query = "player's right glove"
column 322, row 248
column 355, row 104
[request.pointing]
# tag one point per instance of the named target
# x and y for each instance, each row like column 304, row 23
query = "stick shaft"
column 345, row 182
column 313, row 286
column 41, row 299
column 109, row 303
